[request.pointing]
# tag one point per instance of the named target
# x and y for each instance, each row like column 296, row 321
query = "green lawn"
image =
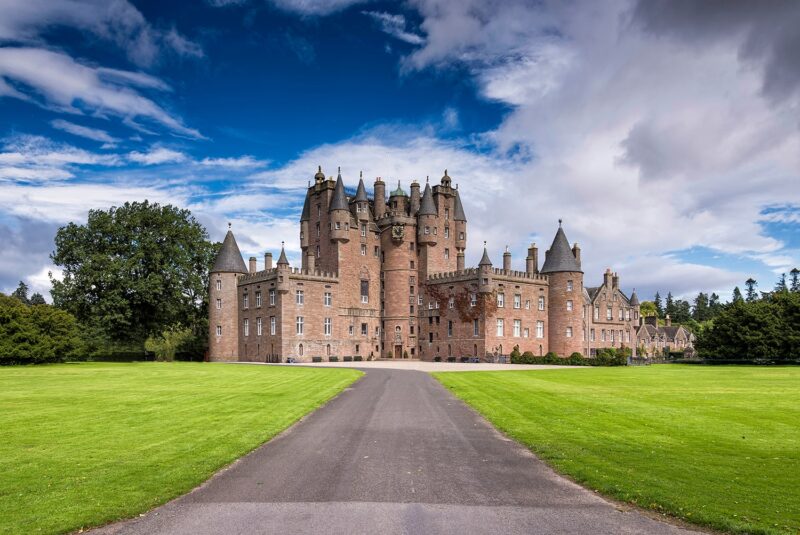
column 85, row 444
column 714, row 445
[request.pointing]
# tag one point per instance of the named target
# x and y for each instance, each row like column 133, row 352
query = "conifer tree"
column 737, row 295
column 750, row 292
column 795, row 275
column 657, row 303
column 21, row 293
column 780, row 286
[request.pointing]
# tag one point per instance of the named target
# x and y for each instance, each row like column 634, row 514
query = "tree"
column 714, row 306
column 657, row 303
column 737, row 295
column 750, row 292
column 669, row 307
column 701, row 311
column 21, row 293
column 166, row 344
column 780, row 286
column 37, row 299
column 795, row 278
column 134, row 270
column 37, row 334
column 681, row 311
column 647, row 308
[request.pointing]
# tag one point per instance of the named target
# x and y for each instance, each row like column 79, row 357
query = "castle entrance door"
column 398, row 351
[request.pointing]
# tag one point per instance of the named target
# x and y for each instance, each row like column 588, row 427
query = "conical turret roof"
column 361, row 192
column 229, row 259
column 339, row 200
column 458, row 210
column 634, row 300
column 306, row 215
column 559, row 256
column 485, row 259
column 427, row 206
column 282, row 260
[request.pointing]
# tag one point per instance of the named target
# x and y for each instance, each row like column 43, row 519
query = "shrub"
column 437, row 359
column 167, row 343
column 32, row 334
column 348, row 359
column 316, row 359
column 358, row 358
column 405, row 354
column 389, row 355
column 333, row 359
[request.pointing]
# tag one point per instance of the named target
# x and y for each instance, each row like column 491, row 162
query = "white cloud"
column 395, row 25
column 241, row 162
column 315, row 7
column 84, row 131
column 115, row 21
column 72, row 87
column 157, row 156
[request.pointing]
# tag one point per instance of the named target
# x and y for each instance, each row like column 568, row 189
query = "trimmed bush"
column 348, row 359
column 358, row 358
column 605, row 357
column 333, row 359
column 437, row 359
column 316, row 359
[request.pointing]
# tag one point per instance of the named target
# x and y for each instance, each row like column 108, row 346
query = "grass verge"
column 718, row 446
column 85, row 444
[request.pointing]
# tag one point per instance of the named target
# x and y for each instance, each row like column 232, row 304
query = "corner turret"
column 223, row 309
column 485, row 268
column 339, row 212
column 427, row 225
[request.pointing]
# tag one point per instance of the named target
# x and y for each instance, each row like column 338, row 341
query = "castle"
column 387, row 280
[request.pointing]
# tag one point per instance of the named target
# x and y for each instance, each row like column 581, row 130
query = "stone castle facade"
column 386, row 279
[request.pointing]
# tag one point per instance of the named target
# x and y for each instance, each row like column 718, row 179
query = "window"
column 475, row 328
column 517, row 328
column 517, row 301
column 364, row 229
column 427, row 230
column 365, row 291
column 430, row 305
column 473, row 300
column 609, row 313
column 350, row 330
column 219, row 304
column 272, row 297
column 501, row 299
column 527, row 304
column 245, row 301
column 446, row 253
column 451, row 302
column 411, row 265
column 499, row 326
column 319, row 210
column 326, row 327
column 318, row 230
column 446, row 214
column 327, row 299
column 246, row 327
column 569, row 305
column 460, row 235
column 591, row 335
column 364, row 330
column 258, row 299
column 411, row 291
column 375, row 251
column 363, row 250
column 569, row 332
column 612, row 336
column 358, row 207
column 411, row 246
column 272, row 325
column 338, row 225
column 219, row 330
column 259, row 327
column 627, row 314
column 299, row 325
column 434, row 230
column 419, row 299
column 526, row 332
column 446, row 232
column 539, row 329
column 299, row 297
column 541, row 302
column 620, row 314
column 449, row 328
column 602, row 335
column 300, row 350
column 219, row 284
column 569, row 286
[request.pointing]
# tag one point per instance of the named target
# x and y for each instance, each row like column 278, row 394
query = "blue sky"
column 667, row 139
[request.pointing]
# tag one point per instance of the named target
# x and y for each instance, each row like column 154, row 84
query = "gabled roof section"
column 339, row 200
column 229, row 259
column 306, row 215
column 559, row 256
column 361, row 192
column 458, row 210
column 427, row 206
column 592, row 291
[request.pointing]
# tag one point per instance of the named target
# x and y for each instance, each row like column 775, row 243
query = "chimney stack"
column 576, row 252
column 532, row 260
column 415, row 197
column 607, row 278
column 668, row 321
column 380, row 198
column 252, row 264
column 507, row 260
column 267, row 260
column 615, row 281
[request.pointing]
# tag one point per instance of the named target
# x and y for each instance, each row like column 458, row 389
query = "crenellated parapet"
column 294, row 273
column 497, row 275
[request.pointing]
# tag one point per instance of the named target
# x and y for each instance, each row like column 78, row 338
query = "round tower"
column 339, row 212
column 379, row 193
column 361, row 200
column 460, row 220
column 427, row 218
column 565, row 302
column 223, row 308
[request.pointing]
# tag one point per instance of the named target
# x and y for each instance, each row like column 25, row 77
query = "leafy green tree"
column 714, row 306
column 795, row 278
column 134, row 270
column 166, row 344
column 737, row 295
column 647, row 308
column 681, row 311
column 750, row 290
column 701, row 310
column 21, row 293
column 37, row 299
column 37, row 334
column 657, row 303
column 780, row 286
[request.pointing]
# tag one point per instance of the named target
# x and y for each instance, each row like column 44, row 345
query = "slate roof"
column 306, row 215
column 559, row 257
column 427, row 206
column 361, row 192
column 229, row 259
column 282, row 260
column 339, row 200
column 458, row 210
column 399, row 191
column 634, row 300
column 485, row 259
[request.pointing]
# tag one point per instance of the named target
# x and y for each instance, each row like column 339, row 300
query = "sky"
column 665, row 133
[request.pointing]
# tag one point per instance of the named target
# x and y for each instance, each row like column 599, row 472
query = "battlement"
column 498, row 273
column 294, row 273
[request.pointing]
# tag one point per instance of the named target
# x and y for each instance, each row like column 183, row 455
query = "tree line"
column 756, row 326
column 134, row 284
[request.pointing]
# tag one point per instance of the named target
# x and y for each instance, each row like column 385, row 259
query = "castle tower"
column 485, row 268
column 379, row 192
column 634, row 301
column 362, row 201
column 339, row 211
column 223, row 308
column 305, row 238
column 460, row 220
column 565, row 307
